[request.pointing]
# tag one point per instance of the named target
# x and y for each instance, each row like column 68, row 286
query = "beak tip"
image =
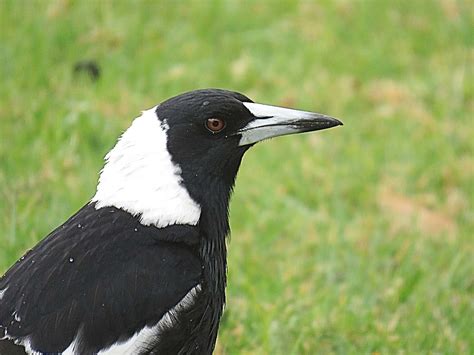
column 335, row 122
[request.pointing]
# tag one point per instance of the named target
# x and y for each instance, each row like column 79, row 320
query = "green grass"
column 357, row 240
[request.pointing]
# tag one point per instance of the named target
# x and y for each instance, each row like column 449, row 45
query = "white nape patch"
column 145, row 336
column 140, row 177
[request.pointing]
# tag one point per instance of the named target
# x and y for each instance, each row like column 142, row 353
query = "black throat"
column 213, row 192
column 208, row 170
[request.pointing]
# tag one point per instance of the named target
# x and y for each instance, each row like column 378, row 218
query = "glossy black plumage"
column 104, row 269
column 103, row 275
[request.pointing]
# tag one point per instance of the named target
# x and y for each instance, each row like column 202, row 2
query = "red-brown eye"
column 215, row 125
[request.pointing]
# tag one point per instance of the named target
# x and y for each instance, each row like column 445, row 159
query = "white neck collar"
column 140, row 177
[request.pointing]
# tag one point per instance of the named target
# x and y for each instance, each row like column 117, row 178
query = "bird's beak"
column 273, row 121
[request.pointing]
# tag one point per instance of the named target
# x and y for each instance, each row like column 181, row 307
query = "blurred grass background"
column 354, row 240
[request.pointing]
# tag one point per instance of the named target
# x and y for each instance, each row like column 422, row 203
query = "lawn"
column 355, row 240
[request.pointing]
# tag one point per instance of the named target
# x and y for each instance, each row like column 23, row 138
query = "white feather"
column 2, row 292
column 28, row 349
column 140, row 177
column 24, row 342
column 142, row 338
column 134, row 344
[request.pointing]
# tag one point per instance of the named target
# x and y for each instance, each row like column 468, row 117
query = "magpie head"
column 201, row 127
column 184, row 153
column 210, row 130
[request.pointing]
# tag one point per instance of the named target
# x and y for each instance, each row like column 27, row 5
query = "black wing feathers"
column 101, row 273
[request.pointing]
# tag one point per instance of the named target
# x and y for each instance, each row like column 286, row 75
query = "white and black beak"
column 274, row 121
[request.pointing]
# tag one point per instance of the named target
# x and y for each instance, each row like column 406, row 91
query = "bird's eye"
column 215, row 125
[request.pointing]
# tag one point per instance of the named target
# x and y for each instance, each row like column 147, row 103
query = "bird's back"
column 100, row 279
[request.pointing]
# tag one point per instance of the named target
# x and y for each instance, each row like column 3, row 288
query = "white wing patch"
column 148, row 334
column 169, row 318
column 140, row 177
column 28, row 349
column 2, row 292
column 25, row 342
column 138, row 341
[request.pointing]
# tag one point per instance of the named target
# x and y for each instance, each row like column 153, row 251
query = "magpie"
column 141, row 268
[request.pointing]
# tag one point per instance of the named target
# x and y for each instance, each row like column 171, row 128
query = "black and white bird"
column 141, row 268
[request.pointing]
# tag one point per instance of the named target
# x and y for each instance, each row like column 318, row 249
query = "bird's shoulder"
column 101, row 276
